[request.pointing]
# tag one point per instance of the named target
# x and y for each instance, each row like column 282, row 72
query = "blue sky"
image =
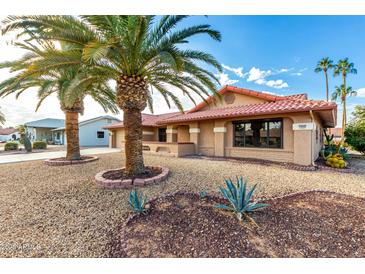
column 275, row 54
column 291, row 44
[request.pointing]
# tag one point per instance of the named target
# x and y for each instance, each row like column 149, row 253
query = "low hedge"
column 39, row 145
column 11, row 146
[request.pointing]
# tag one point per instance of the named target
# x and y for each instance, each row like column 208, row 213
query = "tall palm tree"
column 2, row 118
column 344, row 67
column 141, row 53
column 57, row 81
column 324, row 65
column 342, row 93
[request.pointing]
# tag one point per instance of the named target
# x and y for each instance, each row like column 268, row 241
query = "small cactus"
column 27, row 144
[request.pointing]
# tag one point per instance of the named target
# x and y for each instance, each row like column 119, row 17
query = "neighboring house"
column 91, row 132
column 337, row 133
column 243, row 124
column 9, row 134
column 41, row 129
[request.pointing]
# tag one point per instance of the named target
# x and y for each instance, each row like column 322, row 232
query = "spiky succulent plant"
column 240, row 200
column 137, row 201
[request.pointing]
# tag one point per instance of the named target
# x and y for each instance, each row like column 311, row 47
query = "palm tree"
column 141, row 53
column 57, row 81
column 324, row 65
column 342, row 92
column 2, row 118
column 344, row 67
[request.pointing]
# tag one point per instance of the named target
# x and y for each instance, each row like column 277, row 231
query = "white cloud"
column 296, row 74
column 256, row 74
column 283, row 70
column 225, row 80
column 279, row 84
column 237, row 71
column 259, row 77
column 361, row 92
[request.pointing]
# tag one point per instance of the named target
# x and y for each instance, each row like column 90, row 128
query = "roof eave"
column 246, row 115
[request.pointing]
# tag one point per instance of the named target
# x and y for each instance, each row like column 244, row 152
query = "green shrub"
column 355, row 137
column 11, row 146
column 137, row 202
column 39, row 145
column 241, row 200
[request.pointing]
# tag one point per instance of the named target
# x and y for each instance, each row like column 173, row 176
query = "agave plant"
column 137, row 201
column 241, row 200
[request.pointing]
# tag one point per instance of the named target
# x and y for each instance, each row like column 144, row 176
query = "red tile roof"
column 285, row 106
column 148, row 120
column 276, row 105
column 249, row 92
column 7, row 131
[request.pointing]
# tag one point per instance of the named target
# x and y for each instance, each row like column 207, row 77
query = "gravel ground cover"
column 60, row 212
column 311, row 224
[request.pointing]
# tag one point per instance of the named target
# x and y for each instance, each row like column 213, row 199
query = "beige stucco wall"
column 238, row 100
column 183, row 134
column 299, row 146
column 206, row 138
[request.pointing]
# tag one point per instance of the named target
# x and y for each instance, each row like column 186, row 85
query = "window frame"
column 97, row 134
column 266, row 121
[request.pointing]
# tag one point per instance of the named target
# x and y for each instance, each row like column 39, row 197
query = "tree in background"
column 342, row 92
column 139, row 53
column 355, row 131
column 344, row 67
column 324, row 65
column 34, row 70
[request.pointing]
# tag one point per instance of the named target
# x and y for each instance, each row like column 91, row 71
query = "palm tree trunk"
column 72, row 135
column 343, row 110
column 133, row 141
column 325, row 73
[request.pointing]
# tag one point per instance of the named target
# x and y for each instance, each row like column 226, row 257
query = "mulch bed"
column 310, row 224
column 120, row 174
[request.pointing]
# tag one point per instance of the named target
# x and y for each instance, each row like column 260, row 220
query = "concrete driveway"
column 5, row 159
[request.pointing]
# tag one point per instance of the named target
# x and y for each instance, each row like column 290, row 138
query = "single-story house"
column 243, row 123
column 41, row 129
column 91, row 132
column 9, row 134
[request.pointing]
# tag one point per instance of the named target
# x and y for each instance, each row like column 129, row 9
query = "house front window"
column 266, row 133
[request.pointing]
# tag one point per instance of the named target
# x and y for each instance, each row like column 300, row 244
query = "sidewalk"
column 5, row 159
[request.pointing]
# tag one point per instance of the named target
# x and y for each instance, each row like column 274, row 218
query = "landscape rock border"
column 130, row 183
column 64, row 162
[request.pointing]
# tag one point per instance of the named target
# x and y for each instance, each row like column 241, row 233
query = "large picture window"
column 258, row 133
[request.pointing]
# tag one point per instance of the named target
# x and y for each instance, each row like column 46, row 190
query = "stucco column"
column 171, row 134
column 194, row 132
column 111, row 137
column 219, row 138
column 303, row 141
